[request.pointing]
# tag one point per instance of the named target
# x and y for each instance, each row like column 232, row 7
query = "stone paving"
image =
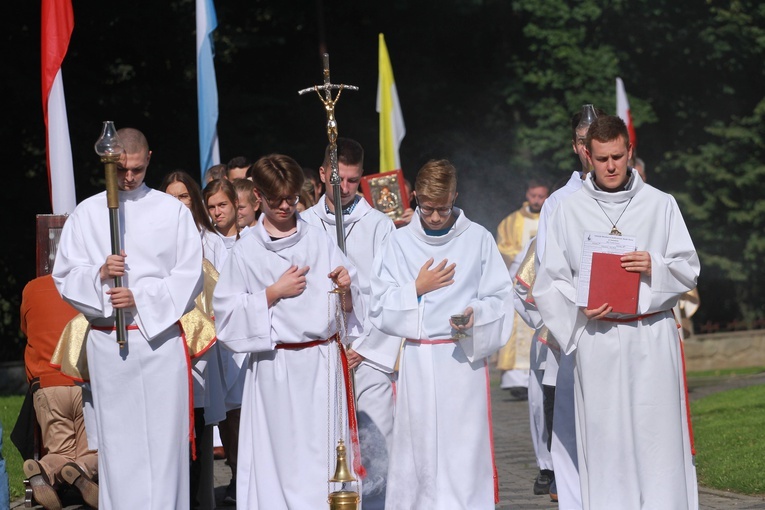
column 516, row 465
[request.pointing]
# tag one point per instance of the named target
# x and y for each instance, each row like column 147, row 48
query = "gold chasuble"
column 513, row 234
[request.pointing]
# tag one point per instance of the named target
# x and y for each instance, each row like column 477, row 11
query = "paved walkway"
column 515, row 457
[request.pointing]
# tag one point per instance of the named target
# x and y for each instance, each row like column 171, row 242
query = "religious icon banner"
column 385, row 192
column 49, row 227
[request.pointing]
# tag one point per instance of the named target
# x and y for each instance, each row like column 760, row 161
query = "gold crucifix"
column 329, row 106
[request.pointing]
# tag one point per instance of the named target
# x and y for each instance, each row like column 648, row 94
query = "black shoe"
column 75, row 476
column 553, row 492
column 544, row 480
column 230, row 498
column 519, row 392
column 42, row 490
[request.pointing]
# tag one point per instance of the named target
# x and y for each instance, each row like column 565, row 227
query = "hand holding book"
column 615, row 282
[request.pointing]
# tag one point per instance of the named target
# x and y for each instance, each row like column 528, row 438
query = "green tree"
column 723, row 173
column 564, row 61
column 724, row 206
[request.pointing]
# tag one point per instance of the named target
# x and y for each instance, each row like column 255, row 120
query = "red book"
column 611, row 283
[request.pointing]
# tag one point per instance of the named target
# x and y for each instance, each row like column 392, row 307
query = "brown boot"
column 74, row 475
column 43, row 491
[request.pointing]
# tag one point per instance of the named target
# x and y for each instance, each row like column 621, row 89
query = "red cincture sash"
column 630, row 319
column 350, row 400
column 422, row 341
column 132, row 327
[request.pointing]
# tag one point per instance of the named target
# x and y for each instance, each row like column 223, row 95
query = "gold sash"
column 197, row 329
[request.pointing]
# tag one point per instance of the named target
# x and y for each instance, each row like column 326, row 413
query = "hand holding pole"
column 110, row 148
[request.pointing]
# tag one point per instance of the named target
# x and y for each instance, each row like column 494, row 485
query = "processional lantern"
column 588, row 117
column 110, row 149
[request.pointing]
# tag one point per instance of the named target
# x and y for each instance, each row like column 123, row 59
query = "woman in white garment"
column 222, row 202
column 208, row 380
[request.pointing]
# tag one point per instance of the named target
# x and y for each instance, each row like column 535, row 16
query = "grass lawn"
column 9, row 411
column 726, row 372
column 730, row 444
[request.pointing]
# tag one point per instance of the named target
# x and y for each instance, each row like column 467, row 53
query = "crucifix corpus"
column 329, row 105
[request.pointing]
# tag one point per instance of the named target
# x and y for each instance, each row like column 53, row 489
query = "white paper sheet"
column 602, row 243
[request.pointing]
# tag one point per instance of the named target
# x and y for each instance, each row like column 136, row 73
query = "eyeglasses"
column 273, row 203
column 444, row 212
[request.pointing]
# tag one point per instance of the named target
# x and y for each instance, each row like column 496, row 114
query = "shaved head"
column 133, row 141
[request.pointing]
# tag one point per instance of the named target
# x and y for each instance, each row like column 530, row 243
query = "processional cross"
column 329, row 105
column 342, row 499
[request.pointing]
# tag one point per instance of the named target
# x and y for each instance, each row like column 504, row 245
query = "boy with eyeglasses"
column 273, row 301
column 441, row 265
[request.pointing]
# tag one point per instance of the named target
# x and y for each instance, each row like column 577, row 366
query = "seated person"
column 57, row 401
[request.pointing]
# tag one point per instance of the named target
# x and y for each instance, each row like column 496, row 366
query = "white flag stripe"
column 60, row 151
column 622, row 105
column 623, row 110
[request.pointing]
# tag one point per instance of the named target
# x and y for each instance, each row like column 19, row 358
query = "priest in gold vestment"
column 513, row 234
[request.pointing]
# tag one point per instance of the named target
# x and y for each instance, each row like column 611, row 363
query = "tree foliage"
column 563, row 62
column 724, row 204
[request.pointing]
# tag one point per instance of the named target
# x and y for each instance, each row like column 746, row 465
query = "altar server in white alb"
column 558, row 378
column 141, row 391
column 273, row 301
column 374, row 354
column 440, row 265
column 632, row 417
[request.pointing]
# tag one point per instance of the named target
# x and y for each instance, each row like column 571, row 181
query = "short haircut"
column 245, row 186
column 436, row 180
column 578, row 117
column 537, row 183
column 216, row 172
column 277, row 175
column 133, row 141
column 198, row 206
column 221, row 185
column 605, row 129
column 349, row 152
column 238, row 162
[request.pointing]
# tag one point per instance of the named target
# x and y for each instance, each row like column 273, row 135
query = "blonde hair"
column 246, row 186
column 436, row 180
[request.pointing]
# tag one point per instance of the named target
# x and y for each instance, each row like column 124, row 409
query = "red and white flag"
column 623, row 110
column 57, row 25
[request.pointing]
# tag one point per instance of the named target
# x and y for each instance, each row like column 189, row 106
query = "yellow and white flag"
column 392, row 128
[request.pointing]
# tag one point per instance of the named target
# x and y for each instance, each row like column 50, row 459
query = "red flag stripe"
column 57, row 26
